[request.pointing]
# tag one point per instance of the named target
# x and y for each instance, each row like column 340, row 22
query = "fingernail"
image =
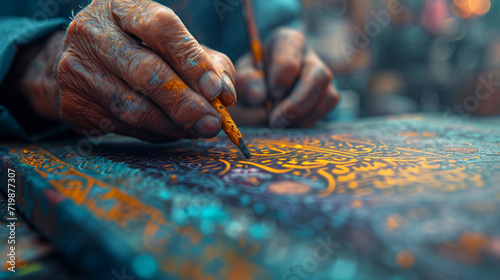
column 207, row 127
column 229, row 86
column 210, row 85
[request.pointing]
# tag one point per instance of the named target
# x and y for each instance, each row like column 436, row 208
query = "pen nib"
column 244, row 149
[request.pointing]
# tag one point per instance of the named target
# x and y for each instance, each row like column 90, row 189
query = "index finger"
column 306, row 96
column 163, row 31
column 286, row 61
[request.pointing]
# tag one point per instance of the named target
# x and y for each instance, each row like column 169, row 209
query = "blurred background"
column 404, row 56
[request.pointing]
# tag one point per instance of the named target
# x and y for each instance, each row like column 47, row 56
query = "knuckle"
column 187, row 112
column 116, row 6
column 179, row 112
column 329, row 98
column 81, row 26
column 143, row 72
column 74, row 27
column 329, row 101
column 323, row 75
column 227, row 64
column 288, row 32
column 71, row 73
column 164, row 15
column 139, row 118
column 223, row 60
column 301, row 37
column 334, row 97
column 290, row 67
column 65, row 64
column 328, row 74
column 189, row 56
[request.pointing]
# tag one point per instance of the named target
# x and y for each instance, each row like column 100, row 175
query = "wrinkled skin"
column 297, row 82
column 133, row 63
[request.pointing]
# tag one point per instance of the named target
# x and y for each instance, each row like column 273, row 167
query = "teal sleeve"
column 16, row 32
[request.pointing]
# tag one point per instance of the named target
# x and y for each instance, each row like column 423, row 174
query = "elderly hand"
column 297, row 81
column 134, row 63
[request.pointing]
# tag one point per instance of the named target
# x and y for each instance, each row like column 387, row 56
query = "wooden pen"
column 230, row 127
column 256, row 49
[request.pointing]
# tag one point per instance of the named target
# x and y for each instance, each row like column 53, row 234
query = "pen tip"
column 244, row 149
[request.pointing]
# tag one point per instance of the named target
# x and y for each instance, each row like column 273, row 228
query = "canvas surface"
column 411, row 198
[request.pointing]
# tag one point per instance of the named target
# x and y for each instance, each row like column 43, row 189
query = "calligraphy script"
column 323, row 164
column 385, row 161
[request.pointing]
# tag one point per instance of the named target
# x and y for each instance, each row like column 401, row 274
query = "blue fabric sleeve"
column 15, row 32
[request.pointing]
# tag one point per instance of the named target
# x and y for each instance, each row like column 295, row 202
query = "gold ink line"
column 278, row 150
column 331, row 183
column 338, row 138
column 344, row 163
column 400, row 159
column 267, row 154
column 267, row 168
column 304, row 166
column 228, row 165
column 417, row 151
column 310, row 148
column 264, row 155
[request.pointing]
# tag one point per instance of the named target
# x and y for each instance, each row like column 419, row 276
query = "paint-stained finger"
column 118, row 99
column 250, row 83
column 145, row 72
column 163, row 32
column 226, row 68
column 131, row 107
column 85, row 117
column 123, row 128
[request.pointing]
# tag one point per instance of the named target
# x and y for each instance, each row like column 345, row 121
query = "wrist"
column 38, row 76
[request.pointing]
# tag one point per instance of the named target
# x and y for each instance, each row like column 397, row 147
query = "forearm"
column 36, row 69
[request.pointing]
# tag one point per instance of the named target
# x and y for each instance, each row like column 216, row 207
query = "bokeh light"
column 461, row 3
column 470, row 8
column 479, row 7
